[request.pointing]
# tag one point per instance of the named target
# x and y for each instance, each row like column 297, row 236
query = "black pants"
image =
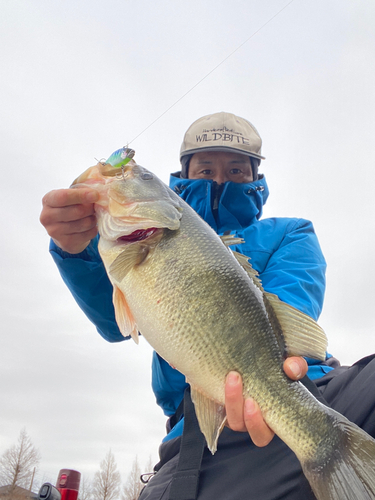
column 241, row 471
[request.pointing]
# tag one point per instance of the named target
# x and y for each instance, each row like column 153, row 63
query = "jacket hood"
column 229, row 207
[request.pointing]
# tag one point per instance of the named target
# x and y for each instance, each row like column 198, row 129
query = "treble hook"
column 123, row 172
column 121, row 175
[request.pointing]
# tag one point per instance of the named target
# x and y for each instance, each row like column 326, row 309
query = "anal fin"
column 124, row 317
column 211, row 417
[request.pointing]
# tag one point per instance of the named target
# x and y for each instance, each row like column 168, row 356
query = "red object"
column 68, row 484
column 138, row 235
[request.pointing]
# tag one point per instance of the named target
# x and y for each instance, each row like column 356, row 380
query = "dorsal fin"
column 302, row 335
column 231, row 239
column 244, row 261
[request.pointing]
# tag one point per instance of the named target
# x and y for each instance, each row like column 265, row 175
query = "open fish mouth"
column 138, row 235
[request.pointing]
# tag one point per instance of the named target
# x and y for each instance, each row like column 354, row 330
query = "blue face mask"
column 225, row 207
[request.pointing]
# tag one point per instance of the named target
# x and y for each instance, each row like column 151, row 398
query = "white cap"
column 222, row 132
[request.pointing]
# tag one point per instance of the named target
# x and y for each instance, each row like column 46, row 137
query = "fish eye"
column 146, row 176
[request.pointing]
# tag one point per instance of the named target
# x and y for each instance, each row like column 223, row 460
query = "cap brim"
column 223, row 149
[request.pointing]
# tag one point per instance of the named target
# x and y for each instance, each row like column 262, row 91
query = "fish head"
column 133, row 201
column 139, row 196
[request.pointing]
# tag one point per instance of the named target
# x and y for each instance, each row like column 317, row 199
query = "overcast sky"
column 79, row 79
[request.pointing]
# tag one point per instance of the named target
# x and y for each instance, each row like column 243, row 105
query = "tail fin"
column 350, row 472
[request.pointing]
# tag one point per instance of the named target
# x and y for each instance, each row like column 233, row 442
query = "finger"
column 74, row 227
column 234, row 402
column 295, row 367
column 76, row 243
column 259, row 431
column 71, row 213
column 51, row 216
column 66, row 197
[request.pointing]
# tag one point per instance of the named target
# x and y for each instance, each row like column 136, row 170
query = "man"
column 219, row 178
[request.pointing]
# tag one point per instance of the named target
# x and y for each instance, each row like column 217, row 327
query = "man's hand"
column 69, row 217
column 245, row 415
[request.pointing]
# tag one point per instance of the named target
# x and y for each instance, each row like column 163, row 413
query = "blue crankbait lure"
column 121, row 157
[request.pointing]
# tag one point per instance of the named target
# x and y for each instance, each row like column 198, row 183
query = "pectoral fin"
column 211, row 417
column 302, row 335
column 133, row 255
column 124, row 317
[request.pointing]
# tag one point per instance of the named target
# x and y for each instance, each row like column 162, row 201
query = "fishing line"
column 212, row 70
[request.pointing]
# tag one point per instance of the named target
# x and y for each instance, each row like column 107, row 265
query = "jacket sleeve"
column 295, row 271
column 85, row 276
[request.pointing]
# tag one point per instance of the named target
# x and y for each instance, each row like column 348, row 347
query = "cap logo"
column 222, row 134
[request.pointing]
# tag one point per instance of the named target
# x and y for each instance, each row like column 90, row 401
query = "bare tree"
column 149, row 468
column 107, row 480
column 134, row 485
column 18, row 464
column 85, row 489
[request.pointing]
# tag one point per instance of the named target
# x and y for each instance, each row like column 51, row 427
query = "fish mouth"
column 138, row 235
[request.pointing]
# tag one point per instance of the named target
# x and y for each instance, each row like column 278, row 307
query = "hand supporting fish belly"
column 204, row 310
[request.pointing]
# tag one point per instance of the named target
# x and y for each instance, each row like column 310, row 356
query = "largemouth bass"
column 205, row 312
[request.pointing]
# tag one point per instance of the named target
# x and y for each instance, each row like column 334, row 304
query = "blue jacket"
column 285, row 252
